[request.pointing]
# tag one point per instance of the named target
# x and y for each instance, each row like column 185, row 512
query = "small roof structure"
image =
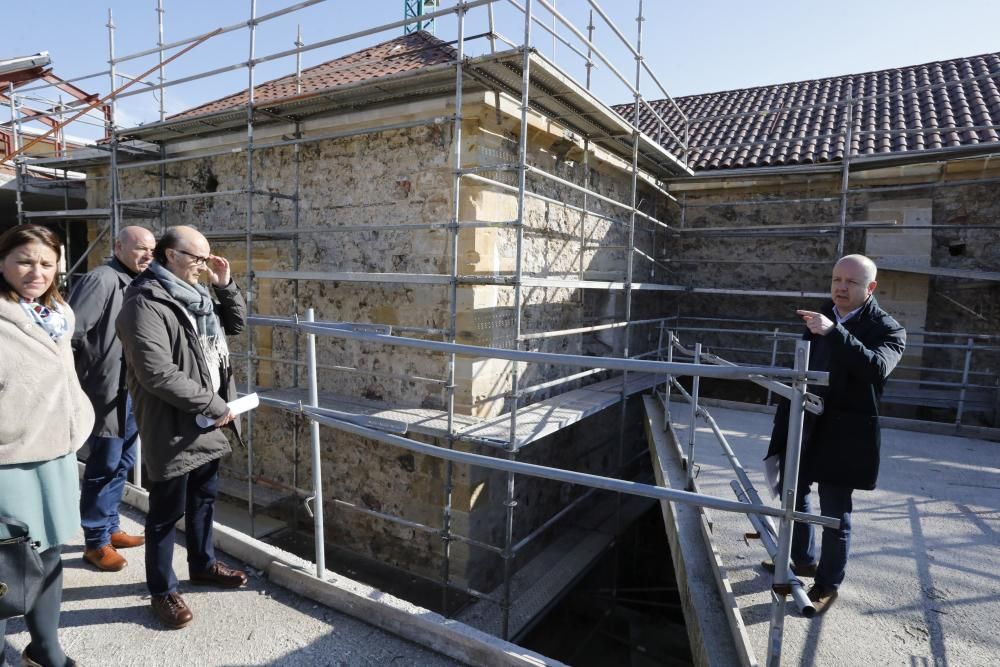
column 411, row 67
column 411, row 52
column 895, row 112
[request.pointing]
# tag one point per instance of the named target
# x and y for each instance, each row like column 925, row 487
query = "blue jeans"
column 835, row 502
column 192, row 495
column 103, row 482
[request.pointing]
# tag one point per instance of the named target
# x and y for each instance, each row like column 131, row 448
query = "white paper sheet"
column 238, row 407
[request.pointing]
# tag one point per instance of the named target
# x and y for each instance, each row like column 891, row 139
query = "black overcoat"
column 97, row 299
column 842, row 445
column 169, row 378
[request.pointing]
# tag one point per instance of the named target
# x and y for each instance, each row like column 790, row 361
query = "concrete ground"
column 106, row 620
column 923, row 579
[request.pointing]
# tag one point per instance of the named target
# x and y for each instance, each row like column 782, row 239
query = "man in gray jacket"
column 97, row 299
column 174, row 337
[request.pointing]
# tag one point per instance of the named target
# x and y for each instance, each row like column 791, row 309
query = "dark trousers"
column 834, row 501
column 103, row 482
column 192, row 496
column 43, row 618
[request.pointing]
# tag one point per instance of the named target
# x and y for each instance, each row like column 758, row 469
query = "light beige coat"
column 44, row 413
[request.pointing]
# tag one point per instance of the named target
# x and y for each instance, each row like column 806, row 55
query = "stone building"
column 350, row 212
column 895, row 164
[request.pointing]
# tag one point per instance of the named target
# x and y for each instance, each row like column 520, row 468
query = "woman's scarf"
column 199, row 304
column 50, row 319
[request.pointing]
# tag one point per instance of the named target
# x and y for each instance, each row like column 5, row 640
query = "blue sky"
column 693, row 47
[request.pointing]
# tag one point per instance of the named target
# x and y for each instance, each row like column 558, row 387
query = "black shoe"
column 822, row 597
column 798, row 570
column 220, row 575
column 28, row 661
column 172, row 611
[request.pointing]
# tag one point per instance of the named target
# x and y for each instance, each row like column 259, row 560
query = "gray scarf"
column 198, row 302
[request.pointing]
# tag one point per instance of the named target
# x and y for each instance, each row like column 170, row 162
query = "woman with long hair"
column 44, row 418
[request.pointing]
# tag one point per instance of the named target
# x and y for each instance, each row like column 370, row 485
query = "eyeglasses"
column 198, row 259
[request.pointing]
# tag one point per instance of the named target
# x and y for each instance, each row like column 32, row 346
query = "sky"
column 692, row 47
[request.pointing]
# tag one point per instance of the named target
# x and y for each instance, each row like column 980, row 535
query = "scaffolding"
column 525, row 79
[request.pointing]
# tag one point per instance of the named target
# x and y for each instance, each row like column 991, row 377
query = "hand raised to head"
column 218, row 270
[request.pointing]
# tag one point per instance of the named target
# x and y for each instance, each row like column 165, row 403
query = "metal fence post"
column 317, row 464
column 670, row 379
column 695, row 386
column 780, row 588
column 965, row 382
column 774, row 360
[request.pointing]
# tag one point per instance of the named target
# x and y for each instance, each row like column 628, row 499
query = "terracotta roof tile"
column 939, row 104
column 402, row 54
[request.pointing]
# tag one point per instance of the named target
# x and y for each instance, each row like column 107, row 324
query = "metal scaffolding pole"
column 522, row 159
column 15, row 134
column 846, row 171
column 113, row 195
column 159, row 43
column 630, row 251
column 250, row 301
column 782, row 559
column 317, row 454
column 456, row 184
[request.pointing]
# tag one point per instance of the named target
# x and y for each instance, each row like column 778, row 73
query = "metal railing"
column 954, row 373
column 776, row 539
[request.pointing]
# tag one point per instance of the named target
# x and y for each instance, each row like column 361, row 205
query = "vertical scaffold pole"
column 670, row 379
column 250, row 300
column 159, row 43
column 15, row 133
column 845, row 176
column 456, row 183
column 522, row 161
column 586, row 165
column 317, row 461
column 774, row 360
column 296, row 252
column 113, row 193
column 793, row 448
column 965, row 381
column 695, row 390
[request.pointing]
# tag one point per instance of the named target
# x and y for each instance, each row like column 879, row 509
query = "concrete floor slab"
column 923, row 579
column 106, row 620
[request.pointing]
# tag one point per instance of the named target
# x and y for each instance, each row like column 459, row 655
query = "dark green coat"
column 169, row 379
column 842, row 446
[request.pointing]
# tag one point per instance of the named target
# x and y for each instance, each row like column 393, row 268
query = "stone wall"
column 748, row 259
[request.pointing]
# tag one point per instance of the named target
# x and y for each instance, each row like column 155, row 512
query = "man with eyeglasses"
column 97, row 299
column 173, row 330
column 859, row 344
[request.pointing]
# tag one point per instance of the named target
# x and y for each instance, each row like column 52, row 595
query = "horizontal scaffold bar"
column 572, row 477
column 381, row 333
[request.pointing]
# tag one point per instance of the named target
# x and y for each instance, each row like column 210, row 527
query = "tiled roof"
column 403, row 54
column 940, row 104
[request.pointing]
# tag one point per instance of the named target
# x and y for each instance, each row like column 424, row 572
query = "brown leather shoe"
column 122, row 540
column 105, row 558
column 822, row 597
column 220, row 575
column 172, row 611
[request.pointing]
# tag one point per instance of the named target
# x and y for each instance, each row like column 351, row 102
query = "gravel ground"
column 106, row 620
column 923, row 578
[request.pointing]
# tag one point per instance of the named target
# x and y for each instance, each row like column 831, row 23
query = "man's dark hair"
column 170, row 239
